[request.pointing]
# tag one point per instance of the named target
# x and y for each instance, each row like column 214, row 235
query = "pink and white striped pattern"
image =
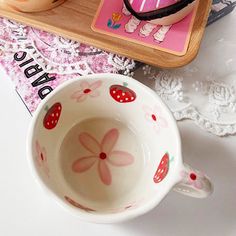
column 148, row 5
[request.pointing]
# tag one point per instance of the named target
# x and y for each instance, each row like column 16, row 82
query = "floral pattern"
column 102, row 154
column 222, row 98
column 221, row 94
column 169, row 87
column 206, row 95
column 127, row 207
column 75, row 204
column 192, row 177
column 87, row 90
column 41, row 158
column 155, row 117
column 115, row 18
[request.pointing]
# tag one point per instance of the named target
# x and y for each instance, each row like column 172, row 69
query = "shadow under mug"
column 30, row 5
column 108, row 149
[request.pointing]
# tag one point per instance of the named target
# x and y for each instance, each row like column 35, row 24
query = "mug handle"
column 158, row 13
column 194, row 183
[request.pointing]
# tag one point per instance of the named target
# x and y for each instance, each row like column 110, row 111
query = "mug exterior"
column 30, row 5
column 108, row 149
column 174, row 18
column 160, row 12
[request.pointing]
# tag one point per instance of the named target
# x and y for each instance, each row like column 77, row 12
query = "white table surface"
column 26, row 210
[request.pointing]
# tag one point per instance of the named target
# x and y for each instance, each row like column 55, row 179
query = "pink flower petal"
column 84, row 85
column 43, row 152
column 90, row 143
column 162, row 122
column 157, row 110
column 46, row 170
column 81, row 97
column 190, row 181
column 104, row 172
column 94, row 93
column 38, row 148
column 76, row 94
column 156, row 128
column 76, row 204
column 95, row 85
column 109, row 140
column 149, row 117
column 120, row 158
column 147, row 109
column 83, row 164
column 198, row 184
column 183, row 173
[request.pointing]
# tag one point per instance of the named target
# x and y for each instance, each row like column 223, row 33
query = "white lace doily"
column 205, row 90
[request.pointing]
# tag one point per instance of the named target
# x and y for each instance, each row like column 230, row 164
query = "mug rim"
column 158, row 13
column 97, row 217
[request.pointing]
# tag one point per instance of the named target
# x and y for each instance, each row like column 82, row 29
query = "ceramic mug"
column 108, row 149
column 160, row 12
column 30, row 5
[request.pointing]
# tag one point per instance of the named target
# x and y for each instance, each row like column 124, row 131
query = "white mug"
column 108, row 149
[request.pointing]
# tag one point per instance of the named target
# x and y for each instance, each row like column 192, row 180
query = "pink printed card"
column 113, row 19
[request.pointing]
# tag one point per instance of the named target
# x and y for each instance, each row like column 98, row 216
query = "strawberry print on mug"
column 52, row 116
column 122, row 94
column 41, row 158
column 162, row 169
column 102, row 154
column 87, row 90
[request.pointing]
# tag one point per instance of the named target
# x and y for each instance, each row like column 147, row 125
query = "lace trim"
column 218, row 129
column 210, row 104
column 20, row 40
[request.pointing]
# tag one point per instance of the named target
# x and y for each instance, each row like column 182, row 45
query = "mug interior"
column 105, row 144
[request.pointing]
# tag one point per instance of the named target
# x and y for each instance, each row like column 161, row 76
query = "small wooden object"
column 73, row 20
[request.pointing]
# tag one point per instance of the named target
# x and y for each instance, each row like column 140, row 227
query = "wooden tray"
column 73, row 20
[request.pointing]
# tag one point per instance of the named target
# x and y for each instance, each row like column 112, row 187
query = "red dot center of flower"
column 41, row 156
column 102, row 155
column 154, row 117
column 87, row 90
column 193, row 176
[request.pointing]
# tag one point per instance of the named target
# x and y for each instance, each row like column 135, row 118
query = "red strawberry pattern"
column 122, row 94
column 162, row 169
column 52, row 116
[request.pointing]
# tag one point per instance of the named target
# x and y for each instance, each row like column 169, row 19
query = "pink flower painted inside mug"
column 87, row 90
column 41, row 158
column 30, row 5
column 160, row 12
column 113, row 160
column 102, row 154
